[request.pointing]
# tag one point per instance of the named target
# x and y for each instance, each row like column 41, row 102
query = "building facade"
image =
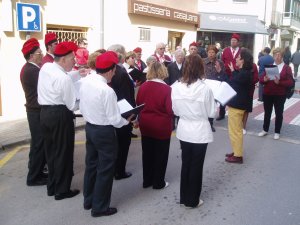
column 130, row 23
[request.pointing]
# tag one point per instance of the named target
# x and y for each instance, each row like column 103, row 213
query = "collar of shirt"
column 59, row 67
column 158, row 80
column 178, row 65
column 34, row 64
column 280, row 66
column 50, row 55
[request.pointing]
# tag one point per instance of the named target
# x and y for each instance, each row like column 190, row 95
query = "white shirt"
column 178, row 65
column 55, row 87
column 194, row 104
column 98, row 102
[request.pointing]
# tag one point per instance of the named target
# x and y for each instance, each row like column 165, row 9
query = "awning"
column 231, row 23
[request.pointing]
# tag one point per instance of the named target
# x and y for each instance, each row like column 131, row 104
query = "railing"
column 66, row 35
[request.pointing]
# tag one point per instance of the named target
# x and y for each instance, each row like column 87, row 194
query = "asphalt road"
column 264, row 190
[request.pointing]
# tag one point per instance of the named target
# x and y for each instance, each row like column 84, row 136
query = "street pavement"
column 264, row 190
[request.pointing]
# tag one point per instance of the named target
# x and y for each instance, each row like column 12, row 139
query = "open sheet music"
column 126, row 109
column 222, row 91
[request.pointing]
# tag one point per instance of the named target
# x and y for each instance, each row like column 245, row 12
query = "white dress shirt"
column 55, row 86
column 98, row 102
column 194, row 104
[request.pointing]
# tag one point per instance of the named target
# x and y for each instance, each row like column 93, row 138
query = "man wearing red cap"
column 193, row 48
column 56, row 95
column 229, row 56
column 98, row 105
column 139, row 63
column 29, row 78
column 50, row 44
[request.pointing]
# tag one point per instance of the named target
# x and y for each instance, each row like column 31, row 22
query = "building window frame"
column 144, row 34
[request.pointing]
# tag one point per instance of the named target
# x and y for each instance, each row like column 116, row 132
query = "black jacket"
column 174, row 73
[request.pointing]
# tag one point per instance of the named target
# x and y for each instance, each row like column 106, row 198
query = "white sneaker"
column 276, row 136
column 199, row 204
column 262, row 133
column 166, row 185
column 244, row 131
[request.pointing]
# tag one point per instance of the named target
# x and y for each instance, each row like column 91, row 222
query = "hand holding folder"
column 222, row 91
column 126, row 109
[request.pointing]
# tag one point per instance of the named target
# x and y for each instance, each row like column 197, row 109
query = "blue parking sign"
column 29, row 17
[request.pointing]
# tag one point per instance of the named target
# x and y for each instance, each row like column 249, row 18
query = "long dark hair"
column 248, row 59
column 193, row 69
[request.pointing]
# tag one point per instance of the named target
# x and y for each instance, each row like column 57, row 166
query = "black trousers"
column 222, row 111
column 37, row 158
column 278, row 102
column 124, row 141
column 155, row 159
column 192, row 157
column 101, row 154
column 59, row 134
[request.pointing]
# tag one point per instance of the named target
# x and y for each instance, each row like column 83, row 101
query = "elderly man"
column 29, row 78
column 123, row 86
column 56, row 95
column 175, row 68
column 50, row 44
column 160, row 54
column 101, row 143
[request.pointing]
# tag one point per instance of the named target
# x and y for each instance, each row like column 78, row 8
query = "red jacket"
column 47, row 58
column 227, row 57
column 271, row 88
column 155, row 120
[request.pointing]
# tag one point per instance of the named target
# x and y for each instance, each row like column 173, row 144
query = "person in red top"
column 160, row 54
column 82, row 54
column 139, row 63
column 50, row 44
column 229, row 56
column 275, row 93
column 155, row 122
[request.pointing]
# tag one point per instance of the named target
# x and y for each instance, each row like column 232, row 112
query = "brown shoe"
column 229, row 154
column 234, row 159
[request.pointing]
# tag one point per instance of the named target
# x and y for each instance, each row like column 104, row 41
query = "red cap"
column 65, row 48
column 236, row 36
column 29, row 45
column 193, row 44
column 137, row 50
column 50, row 38
column 106, row 60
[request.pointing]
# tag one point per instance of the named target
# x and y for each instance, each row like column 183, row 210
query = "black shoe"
column 87, row 207
column 108, row 212
column 44, row 175
column 69, row 194
column 123, row 176
column 133, row 135
column 39, row 182
column 220, row 118
column 50, row 193
column 213, row 129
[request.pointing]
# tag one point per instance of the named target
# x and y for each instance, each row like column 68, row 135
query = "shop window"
column 144, row 34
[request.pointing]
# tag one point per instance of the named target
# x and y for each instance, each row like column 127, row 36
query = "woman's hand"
column 266, row 78
column 218, row 66
column 231, row 66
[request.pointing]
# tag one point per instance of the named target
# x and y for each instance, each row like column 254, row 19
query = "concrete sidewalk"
column 17, row 131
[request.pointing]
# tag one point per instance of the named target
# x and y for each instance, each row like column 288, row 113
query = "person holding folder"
column 241, row 82
column 98, row 105
column 155, row 122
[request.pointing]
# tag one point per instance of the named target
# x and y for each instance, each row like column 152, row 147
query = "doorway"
column 174, row 39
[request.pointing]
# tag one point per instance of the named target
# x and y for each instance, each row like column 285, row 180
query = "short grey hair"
column 119, row 49
column 158, row 45
column 150, row 59
column 178, row 52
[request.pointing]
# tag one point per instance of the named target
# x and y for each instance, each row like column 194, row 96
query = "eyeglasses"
column 162, row 48
column 38, row 53
column 85, row 43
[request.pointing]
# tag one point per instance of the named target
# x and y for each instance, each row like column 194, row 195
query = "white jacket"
column 194, row 104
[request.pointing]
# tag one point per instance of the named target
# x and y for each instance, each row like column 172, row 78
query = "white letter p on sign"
column 28, row 16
